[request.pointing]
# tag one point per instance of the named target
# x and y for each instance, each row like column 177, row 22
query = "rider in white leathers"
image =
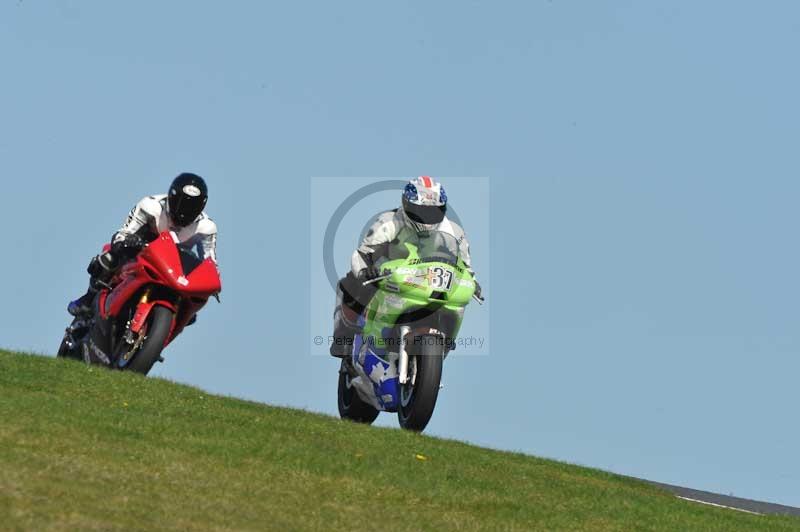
column 150, row 217
column 180, row 211
column 424, row 209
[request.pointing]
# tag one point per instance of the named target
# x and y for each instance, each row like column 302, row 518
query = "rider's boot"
column 344, row 332
column 100, row 271
column 345, row 324
column 83, row 305
column 346, row 317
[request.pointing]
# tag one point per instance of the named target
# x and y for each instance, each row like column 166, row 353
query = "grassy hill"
column 88, row 449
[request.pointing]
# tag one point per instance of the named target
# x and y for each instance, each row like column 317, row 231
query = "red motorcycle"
column 144, row 308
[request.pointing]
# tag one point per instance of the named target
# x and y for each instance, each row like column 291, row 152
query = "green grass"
column 88, row 449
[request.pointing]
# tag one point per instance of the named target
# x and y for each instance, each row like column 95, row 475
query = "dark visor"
column 184, row 209
column 425, row 214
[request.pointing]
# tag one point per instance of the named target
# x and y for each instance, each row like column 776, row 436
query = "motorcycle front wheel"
column 159, row 324
column 418, row 398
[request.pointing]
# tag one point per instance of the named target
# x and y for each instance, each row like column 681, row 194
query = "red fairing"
column 159, row 265
column 132, row 278
column 162, row 256
column 204, row 280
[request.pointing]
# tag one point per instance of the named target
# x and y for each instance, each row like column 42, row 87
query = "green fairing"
column 410, row 287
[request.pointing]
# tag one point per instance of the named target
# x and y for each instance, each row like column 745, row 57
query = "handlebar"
column 375, row 280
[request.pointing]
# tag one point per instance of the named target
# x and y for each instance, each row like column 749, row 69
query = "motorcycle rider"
column 424, row 208
column 180, row 210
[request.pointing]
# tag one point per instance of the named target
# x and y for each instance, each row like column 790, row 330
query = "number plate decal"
column 440, row 278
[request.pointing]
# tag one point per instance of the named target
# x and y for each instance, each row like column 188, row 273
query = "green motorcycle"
column 408, row 329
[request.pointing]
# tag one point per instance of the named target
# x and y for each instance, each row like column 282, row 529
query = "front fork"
column 402, row 363
column 134, row 335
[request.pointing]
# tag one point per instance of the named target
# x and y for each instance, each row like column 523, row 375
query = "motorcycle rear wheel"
column 418, row 400
column 159, row 324
column 351, row 406
column 66, row 352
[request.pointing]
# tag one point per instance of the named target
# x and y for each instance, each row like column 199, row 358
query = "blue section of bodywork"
column 389, row 388
column 386, row 388
column 380, row 351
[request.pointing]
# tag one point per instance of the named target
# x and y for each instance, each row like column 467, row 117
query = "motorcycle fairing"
column 160, row 263
column 158, row 268
column 377, row 376
column 410, row 296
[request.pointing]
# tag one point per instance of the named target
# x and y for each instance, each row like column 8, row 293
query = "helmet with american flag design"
column 424, row 202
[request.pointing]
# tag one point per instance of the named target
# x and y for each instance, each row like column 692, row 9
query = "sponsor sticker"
column 391, row 287
column 191, row 190
column 98, row 353
column 394, row 301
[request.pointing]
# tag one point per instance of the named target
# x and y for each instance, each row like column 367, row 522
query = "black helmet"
column 187, row 198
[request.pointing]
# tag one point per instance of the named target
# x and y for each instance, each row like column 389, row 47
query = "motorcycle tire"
column 417, row 401
column 351, row 406
column 159, row 324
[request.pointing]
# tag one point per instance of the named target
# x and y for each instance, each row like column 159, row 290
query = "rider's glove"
column 478, row 290
column 128, row 244
column 369, row 273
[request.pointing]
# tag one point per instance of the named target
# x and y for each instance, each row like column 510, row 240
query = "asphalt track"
column 726, row 501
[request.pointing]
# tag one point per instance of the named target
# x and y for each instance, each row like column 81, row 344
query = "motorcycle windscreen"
column 428, row 246
column 201, row 273
column 171, row 261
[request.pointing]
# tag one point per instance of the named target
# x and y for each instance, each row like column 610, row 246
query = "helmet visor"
column 424, row 214
column 184, row 209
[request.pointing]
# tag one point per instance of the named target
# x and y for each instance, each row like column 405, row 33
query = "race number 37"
column 440, row 278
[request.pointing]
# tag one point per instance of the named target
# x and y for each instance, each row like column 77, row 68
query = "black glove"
column 128, row 246
column 478, row 291
column 369, row 273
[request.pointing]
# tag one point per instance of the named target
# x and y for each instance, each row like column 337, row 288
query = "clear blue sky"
column 644, row 189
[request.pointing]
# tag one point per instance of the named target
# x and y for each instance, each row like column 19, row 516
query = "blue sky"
column 643, row 188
